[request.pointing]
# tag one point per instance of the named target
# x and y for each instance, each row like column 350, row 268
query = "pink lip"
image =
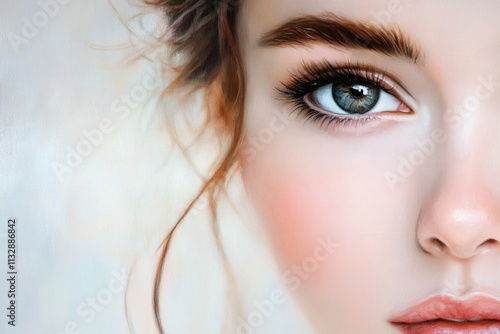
column 478, row 314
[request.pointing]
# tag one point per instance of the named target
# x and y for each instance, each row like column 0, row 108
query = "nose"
column 461, row 217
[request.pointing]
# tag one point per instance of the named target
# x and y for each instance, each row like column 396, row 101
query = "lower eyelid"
column 357, row 125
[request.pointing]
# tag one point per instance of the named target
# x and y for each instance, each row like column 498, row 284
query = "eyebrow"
column 342, row 32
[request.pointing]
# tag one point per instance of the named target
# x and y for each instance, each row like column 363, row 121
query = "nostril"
column 437, row 247
column 490, row 243
column 441, row 246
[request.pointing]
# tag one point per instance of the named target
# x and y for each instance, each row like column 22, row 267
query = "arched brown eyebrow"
column 342, row 32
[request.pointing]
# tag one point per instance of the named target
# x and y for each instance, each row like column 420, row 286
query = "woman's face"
column 373, row 156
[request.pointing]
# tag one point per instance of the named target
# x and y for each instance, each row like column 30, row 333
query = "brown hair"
column 203, row 31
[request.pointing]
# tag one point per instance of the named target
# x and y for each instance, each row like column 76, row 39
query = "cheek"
column 298, row 207
column 308, row 192
column 310, row 201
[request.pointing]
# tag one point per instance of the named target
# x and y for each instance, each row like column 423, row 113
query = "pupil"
column 356, row 98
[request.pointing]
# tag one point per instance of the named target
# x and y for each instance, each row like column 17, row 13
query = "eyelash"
column 313, row 76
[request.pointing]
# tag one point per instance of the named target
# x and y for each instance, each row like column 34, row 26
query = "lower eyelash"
column 331, row 120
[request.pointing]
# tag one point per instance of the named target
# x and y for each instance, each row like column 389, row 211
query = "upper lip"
column 444, row 307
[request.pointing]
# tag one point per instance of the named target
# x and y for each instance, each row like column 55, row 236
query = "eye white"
column 323, row 99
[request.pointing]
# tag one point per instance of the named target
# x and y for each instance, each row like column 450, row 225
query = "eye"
column 349, row 95
column 352, row 96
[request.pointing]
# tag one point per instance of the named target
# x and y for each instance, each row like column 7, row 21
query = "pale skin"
column 434, row 230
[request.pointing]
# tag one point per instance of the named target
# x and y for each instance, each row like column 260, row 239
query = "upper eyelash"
column 316, row 75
